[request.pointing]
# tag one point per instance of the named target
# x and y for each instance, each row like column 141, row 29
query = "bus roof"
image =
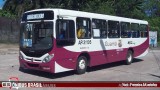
column 73, row 13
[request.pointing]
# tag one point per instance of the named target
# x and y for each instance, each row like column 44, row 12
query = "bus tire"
column 129, row 57
column 81, row 65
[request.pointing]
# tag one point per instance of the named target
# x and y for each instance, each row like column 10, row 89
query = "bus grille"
column 33, row 65
column 34, row 54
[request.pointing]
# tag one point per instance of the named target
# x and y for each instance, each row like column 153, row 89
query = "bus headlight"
column 48, row 58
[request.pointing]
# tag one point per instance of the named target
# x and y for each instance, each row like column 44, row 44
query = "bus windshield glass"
column 36, row 35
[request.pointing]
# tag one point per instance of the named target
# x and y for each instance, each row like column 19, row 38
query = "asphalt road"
column 145, row 69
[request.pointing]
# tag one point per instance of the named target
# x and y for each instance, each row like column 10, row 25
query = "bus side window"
column 99, row 28
column 125, row 30
column 113, row 29
column 65, row 33
column 143, row 30
column 83, row 28
column 135, row 30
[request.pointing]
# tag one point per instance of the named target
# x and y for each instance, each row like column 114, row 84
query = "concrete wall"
column 9, row 30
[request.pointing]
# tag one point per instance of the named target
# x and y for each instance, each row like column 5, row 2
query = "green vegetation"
column 138, row 9
column 8, row 14
column 124, row 8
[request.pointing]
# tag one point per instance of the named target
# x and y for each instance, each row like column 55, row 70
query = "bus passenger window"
column 113, row 29
column 83, row 28
column 65, row 33
column 143, row 30
column 135, row 30
column 125, row 30
column 99, row 28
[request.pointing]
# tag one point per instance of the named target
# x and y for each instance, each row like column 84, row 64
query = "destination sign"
column 35, row 16
column 38, row 15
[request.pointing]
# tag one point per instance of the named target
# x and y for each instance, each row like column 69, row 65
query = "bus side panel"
column 107, row 56
column 112, row 55
column 116, row 55
column 65, row 58
column 98, row 58
column 121, row 54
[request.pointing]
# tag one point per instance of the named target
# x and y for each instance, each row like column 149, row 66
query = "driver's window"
column 65, row 33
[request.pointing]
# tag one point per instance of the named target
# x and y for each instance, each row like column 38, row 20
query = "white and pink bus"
column 59, row 40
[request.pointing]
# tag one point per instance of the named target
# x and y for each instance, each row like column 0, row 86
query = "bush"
column 4, row 13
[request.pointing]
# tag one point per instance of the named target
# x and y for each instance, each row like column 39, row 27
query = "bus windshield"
column 36, row 35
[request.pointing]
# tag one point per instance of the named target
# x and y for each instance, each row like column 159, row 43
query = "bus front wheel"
column 81, row 65
column 129, row 57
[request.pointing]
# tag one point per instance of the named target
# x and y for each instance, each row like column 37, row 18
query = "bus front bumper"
column 47, row 67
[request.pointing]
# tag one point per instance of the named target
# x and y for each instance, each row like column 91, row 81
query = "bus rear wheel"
column 81, row 65
column 129, row 57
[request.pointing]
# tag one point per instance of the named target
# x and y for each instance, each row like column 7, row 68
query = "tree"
column 129, row 8
column 17, row 7
column 99, row 6
column 124, row 8
column 152, row 9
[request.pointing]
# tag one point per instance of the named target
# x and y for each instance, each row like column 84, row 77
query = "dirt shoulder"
column 8, row 46
column 155, row 48
column 9, row 49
